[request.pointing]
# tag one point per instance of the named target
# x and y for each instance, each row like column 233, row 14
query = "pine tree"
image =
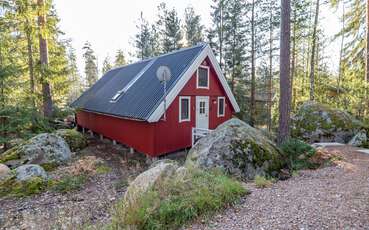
column 106, row 65
column 193, row 27
column 143, row 39
column 120, row 59
column 216, row 32
column 44, row 59
column 169, row 29
column 90, row 64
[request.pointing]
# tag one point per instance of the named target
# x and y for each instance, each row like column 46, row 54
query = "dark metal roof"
column 142, row 98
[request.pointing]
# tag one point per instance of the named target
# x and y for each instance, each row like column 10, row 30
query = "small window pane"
column 185, row 115
column 202, row 107
column 221, row 106
column 203, row 77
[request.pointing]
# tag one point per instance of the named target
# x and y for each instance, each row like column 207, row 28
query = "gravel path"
column 334, row 197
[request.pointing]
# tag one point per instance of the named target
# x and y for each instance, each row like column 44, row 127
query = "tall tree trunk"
column 253, row 77
column 31, row 65
column 366, row 98
column 367, row 42
column 44, row 59
column 340, row 68
column 270, row 80
column 313, row 47
column 293, row 65
column 285, row 95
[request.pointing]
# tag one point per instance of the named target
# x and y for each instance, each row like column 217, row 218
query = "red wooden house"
column 127, row 103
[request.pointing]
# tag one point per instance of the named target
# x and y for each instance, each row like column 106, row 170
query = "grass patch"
column 263, row 182
column 298, row 154
column 103, row 169
column 179, row 201
column 68, row 183
column 49, row 166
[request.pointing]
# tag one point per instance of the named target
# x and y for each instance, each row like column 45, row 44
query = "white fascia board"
column 207, row 52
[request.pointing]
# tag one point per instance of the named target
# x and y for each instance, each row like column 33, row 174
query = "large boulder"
column 28, row 172
column 5, row 172
column 238, row 149
column 75, row 139
column 149, row 180
column 42, row 149
column 361, row 139
column 315, row 122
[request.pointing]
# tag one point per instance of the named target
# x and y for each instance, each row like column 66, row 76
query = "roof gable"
column 142, row 99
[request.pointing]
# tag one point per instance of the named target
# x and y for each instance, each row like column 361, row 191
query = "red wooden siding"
column 162, row 137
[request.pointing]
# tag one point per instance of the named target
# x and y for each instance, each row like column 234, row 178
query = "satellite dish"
column 163, row 73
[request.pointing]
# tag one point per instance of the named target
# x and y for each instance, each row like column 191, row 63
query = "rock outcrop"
column 75, row 139
column 238, row 149
column 361, row 139
column 315, row 122
column 42, row 149
column 4, row 172
column 28, row 172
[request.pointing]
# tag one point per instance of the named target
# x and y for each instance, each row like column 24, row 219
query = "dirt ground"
column 335, row 197
column 89, row 206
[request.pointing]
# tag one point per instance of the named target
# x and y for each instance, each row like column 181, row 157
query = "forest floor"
column 335, row 197
column 91, row 205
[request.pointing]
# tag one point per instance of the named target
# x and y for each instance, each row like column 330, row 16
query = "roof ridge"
column 161, row 55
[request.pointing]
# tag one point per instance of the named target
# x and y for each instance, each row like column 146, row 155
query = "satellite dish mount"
column 164, row 74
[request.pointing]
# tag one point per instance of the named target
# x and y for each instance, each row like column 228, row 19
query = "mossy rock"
column 238, row 149
column 315, row 122
column 44, row 148
column 75, row 139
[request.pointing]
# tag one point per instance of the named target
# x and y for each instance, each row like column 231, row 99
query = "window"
column 202, row 107
column 221, row 105
column 203, row 77
column 184, row 109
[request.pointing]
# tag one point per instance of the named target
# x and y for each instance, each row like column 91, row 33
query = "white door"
column 202, row 112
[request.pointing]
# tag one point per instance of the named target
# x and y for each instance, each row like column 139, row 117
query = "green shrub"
column 68, row 183
column 263, row 182
column 297, row 154
column 179, row 201
column 74, row 139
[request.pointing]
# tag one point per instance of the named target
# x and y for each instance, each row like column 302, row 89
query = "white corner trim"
column 180, row 109
column 224, row 101
column 197, row 77
column 207, row 52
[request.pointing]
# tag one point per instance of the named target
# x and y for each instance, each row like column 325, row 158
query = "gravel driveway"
column 334, row 197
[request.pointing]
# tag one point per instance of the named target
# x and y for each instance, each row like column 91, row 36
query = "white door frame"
column 202, row 121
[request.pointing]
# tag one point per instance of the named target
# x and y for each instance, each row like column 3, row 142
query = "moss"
column 103, row 169
column 11, row 154
column 49, row 167
column 74, row 139
column 14, row 188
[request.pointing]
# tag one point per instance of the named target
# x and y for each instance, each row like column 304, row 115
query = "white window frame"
column 224, row 105
column 180, row 109
column 197, row 77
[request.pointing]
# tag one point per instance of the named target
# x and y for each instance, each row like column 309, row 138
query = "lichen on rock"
column 27, row 172
column 238, row 149
column 315, row 122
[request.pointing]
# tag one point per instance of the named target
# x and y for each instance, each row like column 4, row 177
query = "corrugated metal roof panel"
column 145, row 94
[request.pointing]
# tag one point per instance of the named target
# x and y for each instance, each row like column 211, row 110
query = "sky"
column 110, row 25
